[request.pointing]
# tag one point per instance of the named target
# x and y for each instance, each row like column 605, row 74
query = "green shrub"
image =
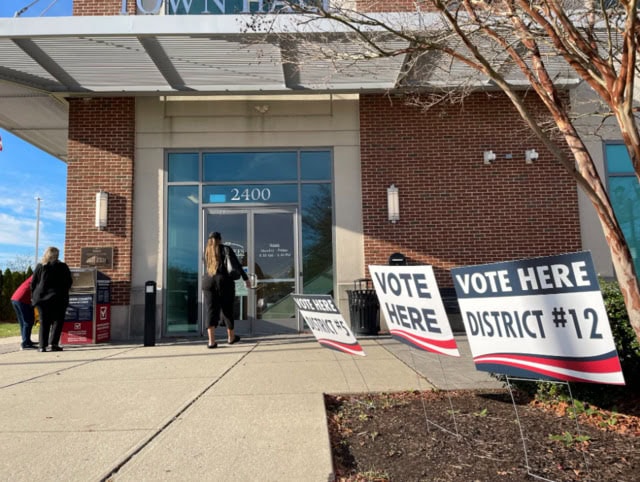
column 10, row 282
column 625, row 338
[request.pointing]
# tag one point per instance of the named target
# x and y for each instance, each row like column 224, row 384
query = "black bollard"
column 150, row 313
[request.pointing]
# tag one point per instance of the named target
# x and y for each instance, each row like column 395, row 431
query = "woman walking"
column 219, row 288
column 50, row 295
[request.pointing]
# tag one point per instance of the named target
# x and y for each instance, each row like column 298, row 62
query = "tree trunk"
column 618, row 247
column 625, row 274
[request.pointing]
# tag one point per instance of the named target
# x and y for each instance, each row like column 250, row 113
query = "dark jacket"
column 225, row 251
column 50, row 284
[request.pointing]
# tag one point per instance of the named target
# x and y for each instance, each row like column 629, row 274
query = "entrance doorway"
column 266, row 243
column 274, row 207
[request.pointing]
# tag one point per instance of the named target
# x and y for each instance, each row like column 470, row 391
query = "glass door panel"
column 233, row 226
column 275, row 265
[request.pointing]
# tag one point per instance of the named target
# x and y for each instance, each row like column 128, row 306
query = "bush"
column 10, row 282
column 625, row 338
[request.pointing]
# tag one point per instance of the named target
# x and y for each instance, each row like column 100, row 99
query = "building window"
column 181, row 303
column 624, row 192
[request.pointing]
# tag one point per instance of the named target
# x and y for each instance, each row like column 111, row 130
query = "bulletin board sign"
column 540, row 318
column 327, row 324
column 411, row 302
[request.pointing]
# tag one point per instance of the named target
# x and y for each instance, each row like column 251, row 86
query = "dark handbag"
column 234, row 274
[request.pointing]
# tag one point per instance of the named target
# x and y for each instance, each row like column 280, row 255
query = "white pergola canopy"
column 45, row 60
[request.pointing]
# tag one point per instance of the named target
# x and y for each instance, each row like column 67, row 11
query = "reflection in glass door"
column 265, row 242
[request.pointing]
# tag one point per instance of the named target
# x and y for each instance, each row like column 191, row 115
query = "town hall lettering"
column 219, row 7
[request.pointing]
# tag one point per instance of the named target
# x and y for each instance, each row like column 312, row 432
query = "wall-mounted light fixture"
column 393, row 203
column 530, row 155
column 489, row 157
column 102, row 208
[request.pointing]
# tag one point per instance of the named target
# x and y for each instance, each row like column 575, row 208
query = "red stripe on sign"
column 605, row 365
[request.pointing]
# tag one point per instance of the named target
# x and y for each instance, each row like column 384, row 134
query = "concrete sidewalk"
column 253, row 411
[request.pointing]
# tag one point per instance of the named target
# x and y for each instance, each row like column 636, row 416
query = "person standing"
column 219, row 288
column 50, row 295
column 21, row 302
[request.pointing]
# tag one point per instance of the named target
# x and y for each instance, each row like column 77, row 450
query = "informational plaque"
column 101, row 258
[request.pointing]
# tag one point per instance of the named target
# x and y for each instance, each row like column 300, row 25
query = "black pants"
column 51, row 316
column 219, row 294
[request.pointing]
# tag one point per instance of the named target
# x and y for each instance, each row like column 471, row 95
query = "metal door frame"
column 250, row 211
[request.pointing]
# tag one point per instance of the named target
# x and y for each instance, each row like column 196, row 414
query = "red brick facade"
column 391, row 6
column 100, row 157
column 102, row 7
column 454, row 209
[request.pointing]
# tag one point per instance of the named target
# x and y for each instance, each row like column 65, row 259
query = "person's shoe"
column 56, row 348
column 28, row 347
column 215, row 345
column 42, row 349
column 236, row 339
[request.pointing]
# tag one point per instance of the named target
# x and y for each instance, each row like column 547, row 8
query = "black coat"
column 222, row 273
column 50, row 284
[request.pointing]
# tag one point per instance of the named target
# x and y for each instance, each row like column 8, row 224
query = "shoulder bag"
column 234, row 274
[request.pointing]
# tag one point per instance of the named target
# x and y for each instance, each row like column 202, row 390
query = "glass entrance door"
column 265, row 241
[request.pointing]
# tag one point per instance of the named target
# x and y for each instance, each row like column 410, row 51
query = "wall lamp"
column 489, row 157
column 102, row 208
column 393, row 203
column 530, row 155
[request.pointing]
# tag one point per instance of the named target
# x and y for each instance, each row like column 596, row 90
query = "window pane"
column 315, row 165
column 250, row 166
column 182, row 260
column 183, row 167
column 618, row 160
column 317, row 251
column 250, row 193
column 625, row 197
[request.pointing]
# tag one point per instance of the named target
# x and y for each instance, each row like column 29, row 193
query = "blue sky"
column 27, row 173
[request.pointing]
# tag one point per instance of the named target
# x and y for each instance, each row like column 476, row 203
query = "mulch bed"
column 475, row 436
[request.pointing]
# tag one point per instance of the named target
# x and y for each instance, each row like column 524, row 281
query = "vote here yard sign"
column 327, row 324
column 411, row 303
column 541, row 318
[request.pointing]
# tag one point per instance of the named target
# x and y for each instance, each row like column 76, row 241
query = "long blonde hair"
column 212, row 255
column 50, row 255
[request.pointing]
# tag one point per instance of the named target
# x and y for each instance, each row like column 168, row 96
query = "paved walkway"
column 253, row 411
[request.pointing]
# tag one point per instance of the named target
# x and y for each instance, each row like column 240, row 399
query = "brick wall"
column 454, row 209
column 102, row 7
column 100, row 156
column 391, row 6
